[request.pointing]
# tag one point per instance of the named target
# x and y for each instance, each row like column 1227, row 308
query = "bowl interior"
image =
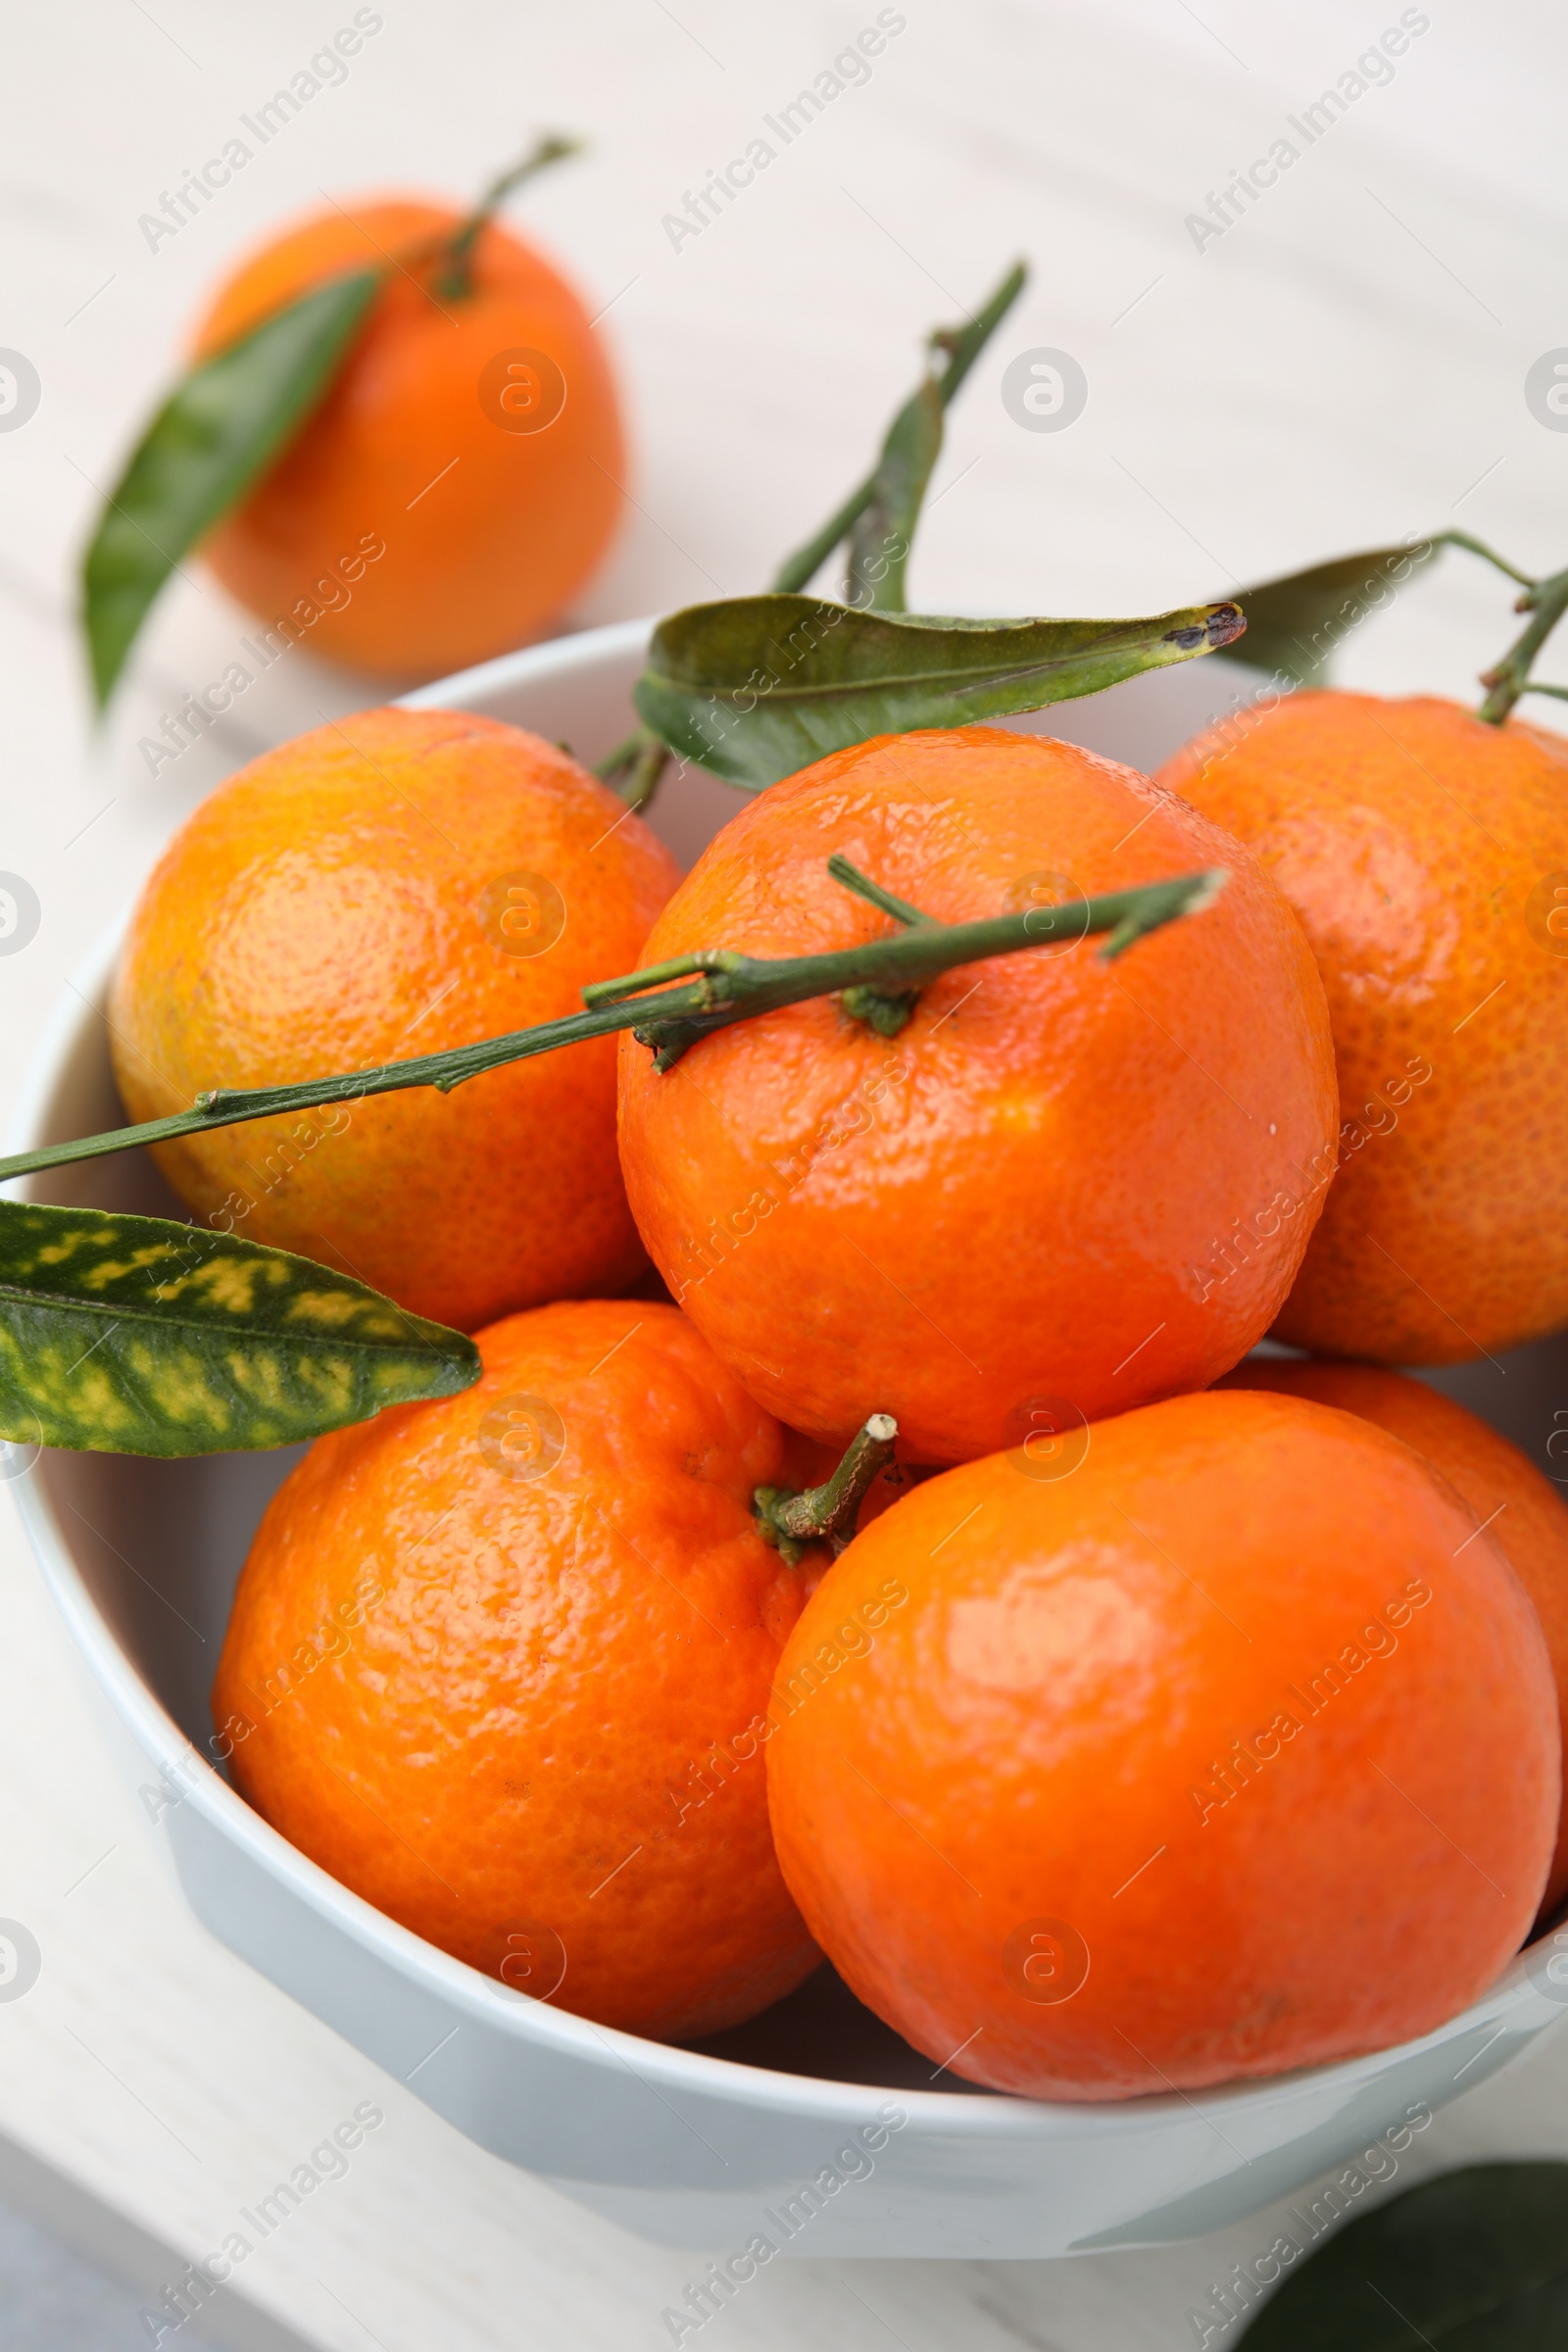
column 160, row 1544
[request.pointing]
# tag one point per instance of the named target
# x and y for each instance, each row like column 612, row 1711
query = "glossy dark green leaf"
column 1475, row 2261
column 759, row 686
column 211, row 440
column 884, row 531
column 1295, row 623
column 135, row 1335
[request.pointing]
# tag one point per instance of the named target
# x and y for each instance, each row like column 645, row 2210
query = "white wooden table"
column 1343, row 364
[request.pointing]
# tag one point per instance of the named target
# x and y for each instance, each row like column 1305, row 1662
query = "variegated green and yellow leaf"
column 135, row 1335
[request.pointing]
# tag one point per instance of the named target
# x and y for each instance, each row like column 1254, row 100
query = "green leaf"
column 1295, row 623
column 884, row 532
column 135, row 1335
column 211, row 440
column 761, row 686
column 1475, row 2261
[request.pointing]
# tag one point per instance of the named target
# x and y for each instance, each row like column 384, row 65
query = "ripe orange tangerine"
column 502, row 1664
column 1026, row 1210
column 1427, row 856
column 385, row 886
column 462, row 477
column 1523, row 1511
column 1230, row 1753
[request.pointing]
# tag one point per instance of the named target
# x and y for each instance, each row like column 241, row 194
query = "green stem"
column 886, row 1014
column 728, row 987
column 455, row 254
column 790, row 1520
column 839, row 866
column 632, row 770
column 1478, row 547
column 654, row 975
column 793, row 574
column 613, row 763
column 963, row 346
column 1547, row 601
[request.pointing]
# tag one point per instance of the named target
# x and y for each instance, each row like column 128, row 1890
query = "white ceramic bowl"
column 692, row 2147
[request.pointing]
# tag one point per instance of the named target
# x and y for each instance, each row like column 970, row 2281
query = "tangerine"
column 1230, row 1753
column 463, row 476
column 1523, row 1511
column 1426, row 852
column 501, row 1664
column 387, row 886
column 1023, row 1210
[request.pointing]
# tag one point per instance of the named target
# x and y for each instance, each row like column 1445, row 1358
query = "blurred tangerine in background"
column 462, row 478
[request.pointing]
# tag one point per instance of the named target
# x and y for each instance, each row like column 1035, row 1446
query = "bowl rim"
column 969, row 2114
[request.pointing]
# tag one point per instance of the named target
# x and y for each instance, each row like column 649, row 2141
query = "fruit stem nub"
column 791, row 1519
column 886, row 1010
